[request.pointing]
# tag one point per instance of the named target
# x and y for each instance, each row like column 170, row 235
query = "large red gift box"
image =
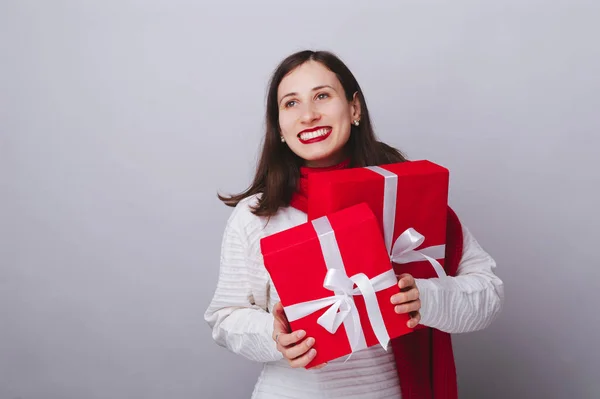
column 411, row 195
column 335, row 281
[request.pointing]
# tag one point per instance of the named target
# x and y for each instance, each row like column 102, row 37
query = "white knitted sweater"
column 240, row 318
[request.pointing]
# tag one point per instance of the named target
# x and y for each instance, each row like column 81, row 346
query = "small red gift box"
column 335, row 281
column 410, row 202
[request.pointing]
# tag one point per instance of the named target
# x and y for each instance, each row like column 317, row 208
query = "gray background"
column 120, row 120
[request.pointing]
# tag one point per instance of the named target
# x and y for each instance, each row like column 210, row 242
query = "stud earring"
column 282, row 139
column 356, row 122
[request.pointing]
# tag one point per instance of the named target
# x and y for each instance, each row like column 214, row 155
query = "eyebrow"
column 314, row 89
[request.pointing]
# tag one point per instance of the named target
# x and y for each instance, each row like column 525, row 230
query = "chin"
column 316, row 157
column 328, row 159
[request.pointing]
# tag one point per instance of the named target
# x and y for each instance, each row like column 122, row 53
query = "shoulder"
column 474, row 259
column 254, row 227
column 248, row 229
column 463, row 251
column 242, row 216
column 472, row 247
column 462, row 236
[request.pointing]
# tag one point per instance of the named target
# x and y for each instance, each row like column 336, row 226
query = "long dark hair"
column 278, row 169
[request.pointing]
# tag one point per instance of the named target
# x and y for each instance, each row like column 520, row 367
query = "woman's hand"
column 407, row 301
column 297, row 350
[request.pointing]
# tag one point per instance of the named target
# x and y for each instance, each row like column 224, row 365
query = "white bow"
column 405, row 250
column 342, row 304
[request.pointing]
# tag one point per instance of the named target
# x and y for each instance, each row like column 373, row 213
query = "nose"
column 310, row 114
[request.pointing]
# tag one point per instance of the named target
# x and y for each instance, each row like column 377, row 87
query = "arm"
column 468, row 302
column 237, row 323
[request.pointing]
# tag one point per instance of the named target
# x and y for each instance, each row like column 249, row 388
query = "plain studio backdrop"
column 120, row 120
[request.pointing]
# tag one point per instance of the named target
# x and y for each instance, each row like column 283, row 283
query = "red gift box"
column 412, row 198
column 335, row 280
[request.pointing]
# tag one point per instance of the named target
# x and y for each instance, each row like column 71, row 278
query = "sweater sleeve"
column 465, row 303
column 237, row 322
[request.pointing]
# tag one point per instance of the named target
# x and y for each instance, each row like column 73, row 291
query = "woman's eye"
column 290, row 103
column 322, row 96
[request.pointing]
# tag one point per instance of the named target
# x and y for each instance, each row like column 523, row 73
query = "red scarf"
column 424, row 358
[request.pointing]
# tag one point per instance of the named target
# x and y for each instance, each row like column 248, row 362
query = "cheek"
column 341, row 115
column 337, row 110
column 286, row 123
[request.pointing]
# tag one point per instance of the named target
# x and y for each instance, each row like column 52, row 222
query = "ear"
column 355, row 107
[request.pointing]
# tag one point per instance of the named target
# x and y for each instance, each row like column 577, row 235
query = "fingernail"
column 310, row 341
column 301, row 334
column 312, row 353
column 394, row 300
column 397, row 309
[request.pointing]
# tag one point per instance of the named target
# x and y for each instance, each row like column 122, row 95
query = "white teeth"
column 312, row 135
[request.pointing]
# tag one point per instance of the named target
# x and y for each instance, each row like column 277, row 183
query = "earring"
column 282, row 139
column 356, row 122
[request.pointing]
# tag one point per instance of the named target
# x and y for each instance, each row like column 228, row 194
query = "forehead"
column 307, row 76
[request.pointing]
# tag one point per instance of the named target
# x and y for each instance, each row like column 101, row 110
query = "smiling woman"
column 317, row 120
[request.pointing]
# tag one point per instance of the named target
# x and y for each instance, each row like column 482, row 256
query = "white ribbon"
column 341, row 304
column 404, row 250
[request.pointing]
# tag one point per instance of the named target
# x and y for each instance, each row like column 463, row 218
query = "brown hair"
column 278, row 169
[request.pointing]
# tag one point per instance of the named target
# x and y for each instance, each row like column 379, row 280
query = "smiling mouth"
column 314, row 136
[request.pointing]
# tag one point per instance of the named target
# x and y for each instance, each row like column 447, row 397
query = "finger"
column 295, row 351
column 280, row 327
column 405, row 281
column 415, row 319
column 407, row 296
column 413, row 306
column 279, row 313
column 278, row 309
column 320, row 366
column 285, row 340
column 303, row 360
column 280, row 324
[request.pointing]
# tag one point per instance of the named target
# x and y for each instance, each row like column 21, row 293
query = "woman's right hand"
column 293, row 346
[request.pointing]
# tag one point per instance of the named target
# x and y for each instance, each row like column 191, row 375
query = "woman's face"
column 314, row 116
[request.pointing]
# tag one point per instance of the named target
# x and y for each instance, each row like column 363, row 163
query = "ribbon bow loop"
column 406, row 244
column 337, row 281
column 405, row 250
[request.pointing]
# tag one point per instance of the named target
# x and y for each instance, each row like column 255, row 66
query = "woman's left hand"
column 407, row 301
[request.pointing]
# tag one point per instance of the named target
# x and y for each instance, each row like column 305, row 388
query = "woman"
column 317, row 119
